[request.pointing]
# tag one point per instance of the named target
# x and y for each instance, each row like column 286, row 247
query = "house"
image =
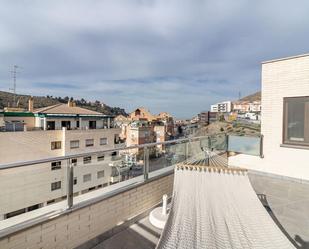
column 141, row 118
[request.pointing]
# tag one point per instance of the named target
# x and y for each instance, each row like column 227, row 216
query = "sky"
column 178, row 56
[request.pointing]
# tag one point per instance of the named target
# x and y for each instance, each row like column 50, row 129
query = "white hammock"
column 218, row 210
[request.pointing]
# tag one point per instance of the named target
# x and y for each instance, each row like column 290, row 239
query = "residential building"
column 246, row 106
column 141, row 113
column 55, row 118
column 142, row 123
column 203, row 118
column 54, row 131
column 225, row 106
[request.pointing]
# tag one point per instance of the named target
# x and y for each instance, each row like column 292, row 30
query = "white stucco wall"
column 287, row 77
column 283, row 78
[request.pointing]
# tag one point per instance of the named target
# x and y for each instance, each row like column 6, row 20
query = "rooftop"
column 285, row 58
column 116, row 216
column 65, row 109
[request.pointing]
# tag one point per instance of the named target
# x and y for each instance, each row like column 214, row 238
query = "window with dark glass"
column 92, row 124
column 296, row 121
column 87, row 159
column 74, row 161
column 56, row 165
column 89, row 142
column 100, row 158
column 50, row 125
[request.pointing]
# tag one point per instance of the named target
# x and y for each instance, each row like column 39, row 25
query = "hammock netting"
column 214, row 208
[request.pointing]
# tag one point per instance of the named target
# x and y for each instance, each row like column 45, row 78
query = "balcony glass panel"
column 244, row 145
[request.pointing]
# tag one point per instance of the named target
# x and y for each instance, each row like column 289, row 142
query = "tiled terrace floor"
column 141, row 235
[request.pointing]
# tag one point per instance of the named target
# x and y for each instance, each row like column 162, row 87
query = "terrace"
column 115, row 216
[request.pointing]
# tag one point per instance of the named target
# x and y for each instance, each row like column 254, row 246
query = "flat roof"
column 286, row 58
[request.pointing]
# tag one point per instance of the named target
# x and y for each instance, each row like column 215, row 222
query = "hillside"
column 7, row 98
column 236, row 128
column 252, row 97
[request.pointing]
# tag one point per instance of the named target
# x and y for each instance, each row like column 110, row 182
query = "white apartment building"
column 225, row 106
column 284, row 119
column 281, row 175
column 27, row 188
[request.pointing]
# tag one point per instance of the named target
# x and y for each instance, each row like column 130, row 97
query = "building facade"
column 46, row 183
column 246, row 106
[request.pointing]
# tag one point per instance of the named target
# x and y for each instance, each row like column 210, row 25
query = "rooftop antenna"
column 14, row 76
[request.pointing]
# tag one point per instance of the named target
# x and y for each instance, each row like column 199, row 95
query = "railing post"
column 146, row 163
column 261, row 146
column 227, row 143
column 187, row 150
column 70, row 178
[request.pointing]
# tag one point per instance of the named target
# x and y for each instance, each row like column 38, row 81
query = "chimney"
column 30, row 104
column 70, row 103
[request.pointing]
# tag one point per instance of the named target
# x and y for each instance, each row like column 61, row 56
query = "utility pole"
column 239, row 95
column 14, row 76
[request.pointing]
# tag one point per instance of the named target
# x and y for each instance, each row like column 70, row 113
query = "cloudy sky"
column 167, row 55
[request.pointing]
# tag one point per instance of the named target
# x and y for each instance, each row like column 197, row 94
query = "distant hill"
column 252, row 97
column 6, row 99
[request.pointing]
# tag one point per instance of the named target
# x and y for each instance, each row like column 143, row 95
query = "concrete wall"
column 283, row 78
column 29, row 145
column 95, row 134
column 29, row 121
column 76, row 228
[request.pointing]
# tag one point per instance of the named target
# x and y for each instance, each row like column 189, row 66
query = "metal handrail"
column 61, row 158
column 70, row 168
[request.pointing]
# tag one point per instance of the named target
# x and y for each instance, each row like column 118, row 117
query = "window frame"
column 74, row 141
column 100, row 171
column 55, row 147
column 87, row 180
column 56, row 165
column 100, row 158
column 106, row 143
column 55, row 184
column 89, row 145
column 285, row 140
column 87, row 161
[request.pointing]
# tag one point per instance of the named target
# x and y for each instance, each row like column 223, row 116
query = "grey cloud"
column 178, row 56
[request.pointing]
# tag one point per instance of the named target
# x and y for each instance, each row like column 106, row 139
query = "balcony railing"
column 32, row 189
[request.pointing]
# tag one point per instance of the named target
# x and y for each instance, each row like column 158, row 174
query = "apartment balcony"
column 115, row 215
